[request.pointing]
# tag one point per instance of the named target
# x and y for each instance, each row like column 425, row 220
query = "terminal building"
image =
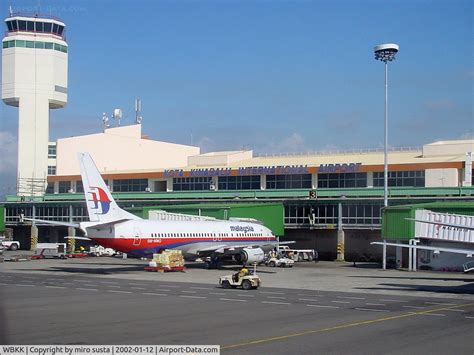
column 319, row 192
column 311, row 198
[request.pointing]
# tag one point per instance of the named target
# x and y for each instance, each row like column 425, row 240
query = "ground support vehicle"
column 50, row 250
column 165, row 268
column 298, row 254
column 280, row 262
column 10, row 244
column 247, row 282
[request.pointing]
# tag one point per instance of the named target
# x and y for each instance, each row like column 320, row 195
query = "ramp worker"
column 243, row 272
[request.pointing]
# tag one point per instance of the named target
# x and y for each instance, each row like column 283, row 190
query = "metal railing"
column 342, row 152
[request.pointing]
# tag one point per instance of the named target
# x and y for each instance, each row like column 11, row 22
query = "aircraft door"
column 137, row 236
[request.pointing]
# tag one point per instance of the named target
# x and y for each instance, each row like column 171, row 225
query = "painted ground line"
column 29, row 281
column 116, row 291
column 456, row 310
column 163, row 289
column 68, row 283
column 431, row 314
column 55, row 286
column 273, row 302
column 90, row 285
column 172, row 286
column 184, row 291
column 441, row 303
column 340, row 301
column 375, row 304
column 201, row 288
column 138, row 288
column 23, row 285
column 468, row 317
column 306, row 295
column 273, row 293
column 137, row 285
column 372, row 310
column 154, row 294
column 277, row 297
column 240, row 295
column 3, row 284
column 192, row 296
column 77, row 280
column 351, row 298
column 113, row 286
column 308, row 299
column 414, row 307
column 321, row 306
column 385, row 300
column 232, row 299
column 108, row 282
column 86, row 289
column 217, row 293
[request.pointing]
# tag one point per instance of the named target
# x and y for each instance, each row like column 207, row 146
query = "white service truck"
column 298, row 254
column 10, row 244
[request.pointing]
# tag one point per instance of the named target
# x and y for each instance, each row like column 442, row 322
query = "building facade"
column 321, row 192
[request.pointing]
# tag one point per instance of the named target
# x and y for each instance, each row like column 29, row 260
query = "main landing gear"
column 213, row 263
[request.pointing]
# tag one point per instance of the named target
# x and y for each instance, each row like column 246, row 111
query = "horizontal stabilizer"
column 55, row 223
column 78, row 238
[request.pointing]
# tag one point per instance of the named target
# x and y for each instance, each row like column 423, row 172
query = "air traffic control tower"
column 34, row 79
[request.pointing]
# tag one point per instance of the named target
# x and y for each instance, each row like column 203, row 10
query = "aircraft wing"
column 224, row 249
column 467, row 252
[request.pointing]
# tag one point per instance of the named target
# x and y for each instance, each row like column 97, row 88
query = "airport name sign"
column 241, row 171
column 339, row 168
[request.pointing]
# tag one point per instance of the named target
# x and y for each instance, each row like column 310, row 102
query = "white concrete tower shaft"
column 34, row 79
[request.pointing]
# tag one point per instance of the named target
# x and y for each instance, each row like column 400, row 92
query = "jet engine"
column 250, row 256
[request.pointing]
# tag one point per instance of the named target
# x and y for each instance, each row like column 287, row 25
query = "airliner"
column 112, row 227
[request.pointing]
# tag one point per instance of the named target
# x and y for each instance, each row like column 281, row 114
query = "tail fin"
column 101, row 206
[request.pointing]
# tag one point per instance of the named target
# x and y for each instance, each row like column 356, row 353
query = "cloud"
column 440, row 104
column 206, row 144
column 294, row 143
column 467, row 135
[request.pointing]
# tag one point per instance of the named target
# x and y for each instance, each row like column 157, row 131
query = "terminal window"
column 64, row 187
column 79, row 186
column 192, row 184
column 401, row 178
column 52, row 151
column 130, row 185
column 50, row 188
column 342, row 180
column 295, row 181
column 239, row 182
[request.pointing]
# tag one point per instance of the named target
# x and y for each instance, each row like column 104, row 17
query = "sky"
column 274, row 76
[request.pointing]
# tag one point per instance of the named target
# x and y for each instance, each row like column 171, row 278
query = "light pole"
column 386, row 53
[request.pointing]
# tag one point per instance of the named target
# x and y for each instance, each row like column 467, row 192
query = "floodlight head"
column 386, row 52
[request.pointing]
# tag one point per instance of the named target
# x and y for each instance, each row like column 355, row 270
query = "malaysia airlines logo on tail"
column 99, row 196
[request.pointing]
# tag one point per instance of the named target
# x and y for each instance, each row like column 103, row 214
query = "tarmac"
column 323, row 276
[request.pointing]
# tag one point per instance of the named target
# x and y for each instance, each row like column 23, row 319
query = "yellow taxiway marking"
column 342, row 326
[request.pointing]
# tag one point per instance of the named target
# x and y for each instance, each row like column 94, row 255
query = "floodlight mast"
column 386, row 53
